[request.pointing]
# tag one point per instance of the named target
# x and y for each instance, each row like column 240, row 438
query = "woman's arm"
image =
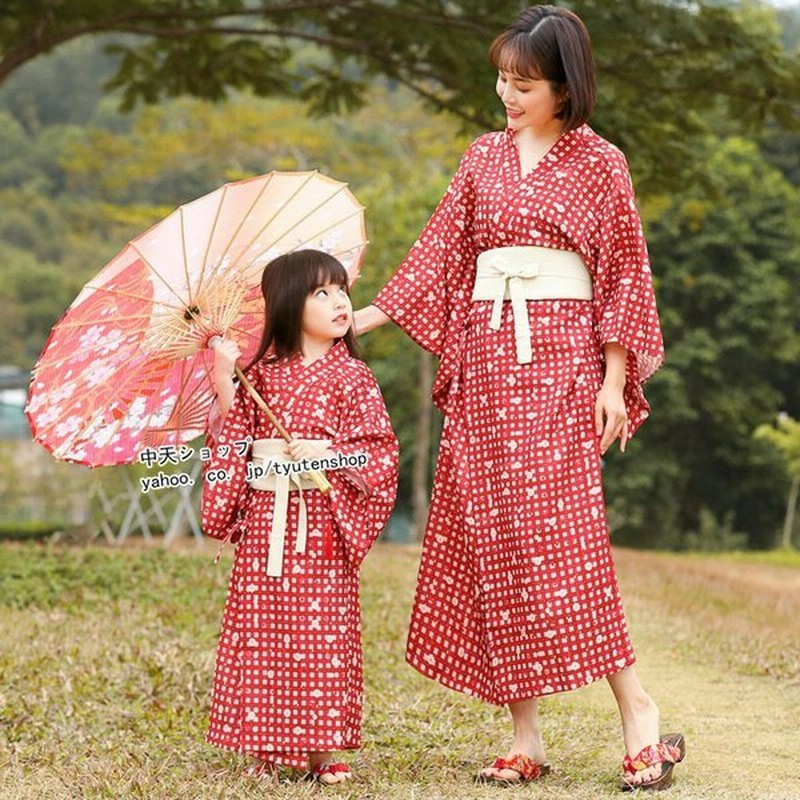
column 368, row 318
column 610, row 402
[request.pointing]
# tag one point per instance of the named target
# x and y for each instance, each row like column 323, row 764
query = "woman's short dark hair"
column 551, row 42
column 286, row 283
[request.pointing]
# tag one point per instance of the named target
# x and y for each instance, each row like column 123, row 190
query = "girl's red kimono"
column 288, row 676
column 517, row 595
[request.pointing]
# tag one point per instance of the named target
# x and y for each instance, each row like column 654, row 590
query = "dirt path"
column 742, row 729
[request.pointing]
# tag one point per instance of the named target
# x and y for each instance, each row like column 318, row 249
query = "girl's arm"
column 368, row 318
column 225, row 356
column 610, row 402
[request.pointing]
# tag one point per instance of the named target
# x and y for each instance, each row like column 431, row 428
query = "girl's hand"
column 610, row 406
column 225, row 356
column 298, row 450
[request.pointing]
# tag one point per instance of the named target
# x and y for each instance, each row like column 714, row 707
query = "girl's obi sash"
column 267, row 453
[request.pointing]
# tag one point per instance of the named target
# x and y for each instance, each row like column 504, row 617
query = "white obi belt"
column 271, row 450
column 519, row 274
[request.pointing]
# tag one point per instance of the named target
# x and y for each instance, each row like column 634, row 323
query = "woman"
column 517, row 595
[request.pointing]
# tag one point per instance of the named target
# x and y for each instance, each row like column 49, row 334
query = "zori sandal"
column 525, row 766
column 668, row 752
column 328, row 768
column 261, row 769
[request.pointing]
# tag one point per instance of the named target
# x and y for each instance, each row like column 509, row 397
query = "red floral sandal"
column 527, row 768
column 327, row 768
column 261, row 769
column 668, row 752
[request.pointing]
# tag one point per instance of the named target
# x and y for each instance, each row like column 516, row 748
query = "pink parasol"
column 128, row 366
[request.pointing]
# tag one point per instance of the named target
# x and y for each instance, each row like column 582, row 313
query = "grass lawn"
column 107, row 658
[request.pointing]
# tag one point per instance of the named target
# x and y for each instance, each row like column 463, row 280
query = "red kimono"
column 517, row 595
column 288, row 676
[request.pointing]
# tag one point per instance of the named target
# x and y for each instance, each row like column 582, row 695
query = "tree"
column 726, row 266
column 664, row 65
column 785, row 436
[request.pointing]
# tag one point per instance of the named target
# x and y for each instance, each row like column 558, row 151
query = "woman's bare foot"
column 640, row 728
column 326, row 771
column 527, row 740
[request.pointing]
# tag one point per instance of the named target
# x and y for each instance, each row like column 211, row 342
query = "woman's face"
column 529, row 102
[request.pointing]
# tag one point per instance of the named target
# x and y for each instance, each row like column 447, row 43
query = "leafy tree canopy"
column 664, row 65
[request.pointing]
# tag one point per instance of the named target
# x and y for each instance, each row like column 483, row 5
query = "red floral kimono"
column 288, row 676
column 517, row 595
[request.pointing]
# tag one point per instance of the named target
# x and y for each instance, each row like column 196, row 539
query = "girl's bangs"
column 331, row 271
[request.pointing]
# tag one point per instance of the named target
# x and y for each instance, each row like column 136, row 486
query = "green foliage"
column 714, row 535
column 88, row 578
column 27, row 530
column 785, row 436
column 664, row 66
column 727, row 266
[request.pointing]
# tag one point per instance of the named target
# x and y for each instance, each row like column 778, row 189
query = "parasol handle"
column 320, row 481
column 317, row 477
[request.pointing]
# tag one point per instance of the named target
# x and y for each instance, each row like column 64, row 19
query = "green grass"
column 107, row 659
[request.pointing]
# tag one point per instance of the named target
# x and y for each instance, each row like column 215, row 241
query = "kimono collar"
column 336, row 355
column 295, row 370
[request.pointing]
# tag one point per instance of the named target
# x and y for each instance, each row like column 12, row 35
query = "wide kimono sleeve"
column 362, row 498
column 226, row 492
column 625, row 309
column 421, row 295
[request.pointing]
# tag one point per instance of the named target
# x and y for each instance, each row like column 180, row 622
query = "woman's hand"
column 298, row 450
column 610, row 415
column 368, row 318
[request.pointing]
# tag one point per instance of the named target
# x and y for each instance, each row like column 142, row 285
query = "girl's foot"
column 261, row 768
column 640, row 728
column 326, row 770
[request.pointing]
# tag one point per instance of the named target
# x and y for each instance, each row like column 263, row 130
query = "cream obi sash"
column 271, row 450
column 528, row 273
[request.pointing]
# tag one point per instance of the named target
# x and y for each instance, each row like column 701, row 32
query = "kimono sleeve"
column 226, row 493
column 625, row 309
column 362, row 497
column 418, row 297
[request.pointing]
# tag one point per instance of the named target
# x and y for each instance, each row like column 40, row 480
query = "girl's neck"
column 314, row 349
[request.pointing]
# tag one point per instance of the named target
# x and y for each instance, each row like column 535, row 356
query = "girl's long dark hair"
column 286, row 283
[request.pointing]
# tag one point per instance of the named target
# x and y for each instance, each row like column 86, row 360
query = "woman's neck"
column 534, row 143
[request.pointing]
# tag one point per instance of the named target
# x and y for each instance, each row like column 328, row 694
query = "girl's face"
column 529, row 102
column 326, row 314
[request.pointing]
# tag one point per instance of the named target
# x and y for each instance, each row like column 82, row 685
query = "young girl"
column 288, row 681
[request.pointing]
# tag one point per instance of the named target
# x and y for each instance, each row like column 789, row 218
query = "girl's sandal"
column 327, row 768
column 261, row 769
column 525, row 766
column 668, row 752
